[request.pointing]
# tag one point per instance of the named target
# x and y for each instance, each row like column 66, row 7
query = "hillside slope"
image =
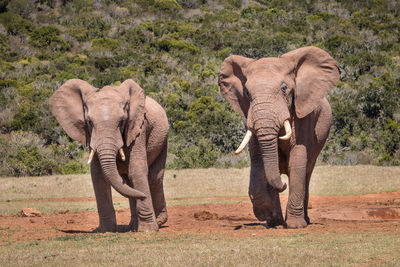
column 173, row 49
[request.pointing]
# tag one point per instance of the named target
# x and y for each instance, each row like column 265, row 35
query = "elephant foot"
column 273, row 219
column 162, row 218
column 273, row 222
column 295, row 222
column 261, row 214
column 133, row 224
column 147, row 227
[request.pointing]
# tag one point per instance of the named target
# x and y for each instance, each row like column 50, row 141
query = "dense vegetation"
column 173, row 49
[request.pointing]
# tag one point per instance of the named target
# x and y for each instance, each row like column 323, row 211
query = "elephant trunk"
column 269, row 154
column 266, row 125
column 107, row 156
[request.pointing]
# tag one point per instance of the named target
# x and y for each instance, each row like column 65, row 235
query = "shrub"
column 201, row 155
column 191, row 3
column 21, row 7
column 170, row 44
column 212, row 120
column 87, row 26
column 26, row 154
column 14, row 24
column 48, row 37
column 167, row 5
column 105, row 44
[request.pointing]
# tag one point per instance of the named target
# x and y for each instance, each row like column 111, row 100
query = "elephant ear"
column 136, row 100
column 316, row 72
column 232, row 83
column 67, row 106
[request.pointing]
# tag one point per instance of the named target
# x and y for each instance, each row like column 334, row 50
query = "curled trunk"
column 107, row 157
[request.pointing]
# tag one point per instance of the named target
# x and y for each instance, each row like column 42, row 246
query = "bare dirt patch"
column 362, row 213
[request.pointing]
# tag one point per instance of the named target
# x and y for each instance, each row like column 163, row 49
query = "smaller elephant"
column 127, row 134
column 288, row 118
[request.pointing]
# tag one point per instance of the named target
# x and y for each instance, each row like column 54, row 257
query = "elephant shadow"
column 248, row 225
column 120, row 229
column 266, row 225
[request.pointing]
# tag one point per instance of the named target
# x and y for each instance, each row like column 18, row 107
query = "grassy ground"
column 185, row 187
column 194, row 250
column 189, row 183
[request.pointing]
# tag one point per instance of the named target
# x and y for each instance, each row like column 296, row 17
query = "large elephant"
column 287, row 118
column 117, row 121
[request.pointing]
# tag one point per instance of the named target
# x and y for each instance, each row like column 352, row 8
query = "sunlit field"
column 193, row 187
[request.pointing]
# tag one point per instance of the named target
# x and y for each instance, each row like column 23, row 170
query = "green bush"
column 167, row 45
column 167, row 5
column 105, row 44
column 201, row 155
column 215, row 121
column 73, row 168
column 48, row 37
column 21, row 7
column 14, row 24
column 87, row 26
column 26, row 154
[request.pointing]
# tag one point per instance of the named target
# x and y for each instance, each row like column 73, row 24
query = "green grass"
column 199, row 250
column 195, row 184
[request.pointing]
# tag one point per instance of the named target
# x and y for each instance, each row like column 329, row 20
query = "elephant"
column 288, row 118
column 117, row 121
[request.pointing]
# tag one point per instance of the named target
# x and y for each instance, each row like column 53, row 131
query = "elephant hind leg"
column 156, row 177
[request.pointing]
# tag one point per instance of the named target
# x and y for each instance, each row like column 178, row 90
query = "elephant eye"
column 284, row 88
column 89, row 122
column 246, row 92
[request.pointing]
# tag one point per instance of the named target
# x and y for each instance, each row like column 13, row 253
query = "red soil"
column 363, row 213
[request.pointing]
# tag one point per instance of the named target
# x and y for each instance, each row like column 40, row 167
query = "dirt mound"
column 364, row 213
column 385, row 213
column 205, row 215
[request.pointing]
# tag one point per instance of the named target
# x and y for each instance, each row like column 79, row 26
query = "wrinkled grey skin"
column 266, row 92
column 107, row 120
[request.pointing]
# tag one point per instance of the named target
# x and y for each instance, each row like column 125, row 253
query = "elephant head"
column 270, row 92
column 106, row 120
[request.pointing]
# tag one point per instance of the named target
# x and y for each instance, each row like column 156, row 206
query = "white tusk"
column 244, row 143
column 90, row 156
column 288, row 131
column 121, row 151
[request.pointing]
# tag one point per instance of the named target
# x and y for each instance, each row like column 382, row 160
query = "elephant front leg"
column 265, row 200
column 105, row 207
column 156, row 177
column 133, row 225
column 295, row 217
column 143, row 217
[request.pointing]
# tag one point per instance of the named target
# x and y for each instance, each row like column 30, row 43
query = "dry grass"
column 351, row 180
column 206, row 183
column 57, row 186
column 49, row 207
column 193, row 184
column 194, row 250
